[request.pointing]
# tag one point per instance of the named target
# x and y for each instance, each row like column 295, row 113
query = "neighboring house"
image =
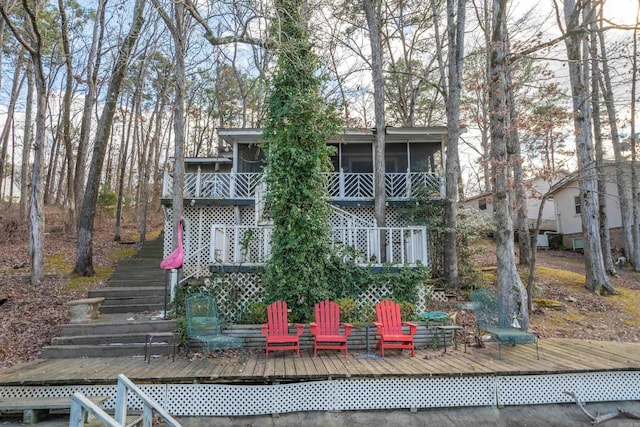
column 224, row 198
column 566, row 196
column 10, row 190
column 536, row 189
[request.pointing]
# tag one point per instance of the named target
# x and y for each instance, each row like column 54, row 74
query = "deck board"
column 556, row 356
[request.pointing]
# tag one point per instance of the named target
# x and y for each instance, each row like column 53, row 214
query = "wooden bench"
column 34, row 407
column 84, row 310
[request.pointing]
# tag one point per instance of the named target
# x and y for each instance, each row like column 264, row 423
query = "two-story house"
column 566, row 197
column 224, row 198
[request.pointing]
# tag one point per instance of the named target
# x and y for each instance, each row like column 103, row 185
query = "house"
column 566, row 197
column 224, row 199
column 535, row 188
column 10, row 190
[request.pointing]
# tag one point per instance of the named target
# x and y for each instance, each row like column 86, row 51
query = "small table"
column 454, row 335
column 149, row 340
column 367, row 354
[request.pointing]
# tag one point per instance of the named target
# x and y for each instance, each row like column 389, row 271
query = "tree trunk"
column 378, row 96
column 36, row 208
column 596, row 277
column 379, row 166
column 66, row 117
column 509, row 282
column 605, row 235
column 27, row 143
column 36, row 199
column 176, row 27
column 635, row 257
column 84, row 257
column 455, row 32
column 122, row 167
column 515, row 160
column 625, row 197
column 89, row 102
column 149, row 166
column 8, row 123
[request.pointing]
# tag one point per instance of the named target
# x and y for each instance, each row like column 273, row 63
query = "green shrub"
column 255, row 314
column 348, row 310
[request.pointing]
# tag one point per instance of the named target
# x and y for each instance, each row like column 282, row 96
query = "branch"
column 15, row 31
column 597, row 419
column 167, row 20
column 217, row 41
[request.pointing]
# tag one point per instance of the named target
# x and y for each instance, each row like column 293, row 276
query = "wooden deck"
column 557, row 356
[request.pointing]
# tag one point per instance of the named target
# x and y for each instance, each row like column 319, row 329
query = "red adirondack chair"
column 277, row 329
column 326, row 328
column 389, row 326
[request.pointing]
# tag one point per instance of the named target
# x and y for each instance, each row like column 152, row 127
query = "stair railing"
column 80, row 406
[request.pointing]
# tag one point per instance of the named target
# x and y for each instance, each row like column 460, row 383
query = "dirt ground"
column 31, row 315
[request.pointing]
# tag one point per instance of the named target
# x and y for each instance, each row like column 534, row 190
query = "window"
column 482, row 204
column 576, row 202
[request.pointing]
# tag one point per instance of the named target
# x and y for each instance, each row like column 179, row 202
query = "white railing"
column 81, row 406
column 252, row 245
column 240, row 244
column 343, row 186
column 402, row 245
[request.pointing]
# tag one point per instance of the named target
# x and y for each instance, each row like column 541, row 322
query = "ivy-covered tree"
column 298, row 124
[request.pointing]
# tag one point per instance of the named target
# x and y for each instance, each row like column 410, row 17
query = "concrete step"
column 135, row 282
column 118, row 328
column 128, row 292
column 113, row 350
column 138, row 338
column 132, row 308
column 141, row 270
column 129, row 300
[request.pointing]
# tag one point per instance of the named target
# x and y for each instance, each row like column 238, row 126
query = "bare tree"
column 625, row 197
column 378, row 96
column 451, row 90
column 66, row 114
column 26, row 143
column 93, row 66
column 84, row 256
column 605, row 235
column 177, row 28
column 509, row 283
column 576, row 43
column 31, row 40
column 18, row 81
column 635, row 190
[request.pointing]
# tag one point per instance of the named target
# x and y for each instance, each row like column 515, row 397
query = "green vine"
column 298, row 124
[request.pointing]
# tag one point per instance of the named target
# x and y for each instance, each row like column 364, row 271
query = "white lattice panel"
column 362, row 394
column 219, row 400
column 234, row 291
column 455, row 391
column 157, row 392
column 589, row 387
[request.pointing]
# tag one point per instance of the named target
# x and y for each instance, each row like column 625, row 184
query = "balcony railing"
column 341, row 186
column 252, row 245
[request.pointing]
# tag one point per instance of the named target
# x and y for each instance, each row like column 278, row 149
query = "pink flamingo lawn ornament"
column 176, row 258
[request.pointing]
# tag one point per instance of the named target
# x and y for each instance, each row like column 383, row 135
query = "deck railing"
column 252, row 245
column 81, row 406
column 340, row 185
